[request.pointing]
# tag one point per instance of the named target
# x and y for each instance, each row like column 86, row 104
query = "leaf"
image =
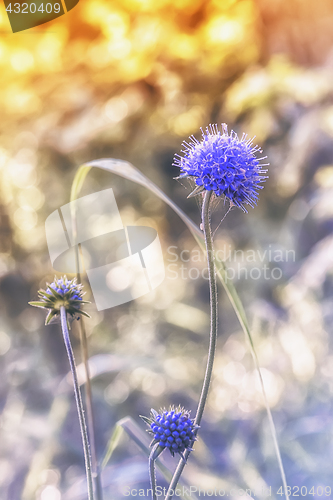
column 50, row 316
column 84, row 313
column 147, row 420
column 154, row 413
column 182, row 176
column 54, row 292
column 37, row 304
column 196, row 191
column 43, row 294
column 128, row 171
column 112, row 444
column 79, row 179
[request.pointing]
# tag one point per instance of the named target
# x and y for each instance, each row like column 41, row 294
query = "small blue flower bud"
column 61, row 293
column 172, row 429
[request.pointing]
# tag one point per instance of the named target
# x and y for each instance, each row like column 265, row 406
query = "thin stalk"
column 152, row 475
column 212, row 339
column 78, row 400
column 90, row 415
column 87, row 388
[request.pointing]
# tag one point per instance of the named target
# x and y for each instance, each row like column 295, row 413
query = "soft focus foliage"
column 131, row 80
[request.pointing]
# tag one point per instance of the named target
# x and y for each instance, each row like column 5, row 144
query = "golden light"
column 22, row 60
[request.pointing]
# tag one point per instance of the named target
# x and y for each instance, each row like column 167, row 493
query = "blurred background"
column 132, row 80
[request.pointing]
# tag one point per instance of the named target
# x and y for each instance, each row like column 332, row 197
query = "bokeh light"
column 132, row 80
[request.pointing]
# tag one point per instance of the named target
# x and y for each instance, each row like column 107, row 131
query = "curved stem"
column 152, row 475
column 78, row 400
column 213, row 336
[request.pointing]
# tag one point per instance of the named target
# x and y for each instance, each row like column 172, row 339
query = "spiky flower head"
column 224, row 164
column 173, row 429
column 62, row 292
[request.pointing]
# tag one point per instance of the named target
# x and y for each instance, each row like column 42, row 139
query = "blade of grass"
column 128, row 171
column 112, row 444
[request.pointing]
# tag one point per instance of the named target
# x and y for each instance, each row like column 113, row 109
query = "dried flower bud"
column 62, row 292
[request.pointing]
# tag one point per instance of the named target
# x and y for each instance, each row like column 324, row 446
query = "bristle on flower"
column 224, row 164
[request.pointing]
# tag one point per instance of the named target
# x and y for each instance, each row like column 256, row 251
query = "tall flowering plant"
column 64, row 298
column 221, row 165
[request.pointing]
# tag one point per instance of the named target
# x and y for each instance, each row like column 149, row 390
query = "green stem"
column 212, row 340
column 79, row 405
column 152, row 475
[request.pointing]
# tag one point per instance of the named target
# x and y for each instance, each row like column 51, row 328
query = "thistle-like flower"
column 62, row 292
column 224, row 164
column 172, row 429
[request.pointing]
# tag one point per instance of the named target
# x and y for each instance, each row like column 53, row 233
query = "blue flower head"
column 224, row 164
column 172, row 429
column 62, row 292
